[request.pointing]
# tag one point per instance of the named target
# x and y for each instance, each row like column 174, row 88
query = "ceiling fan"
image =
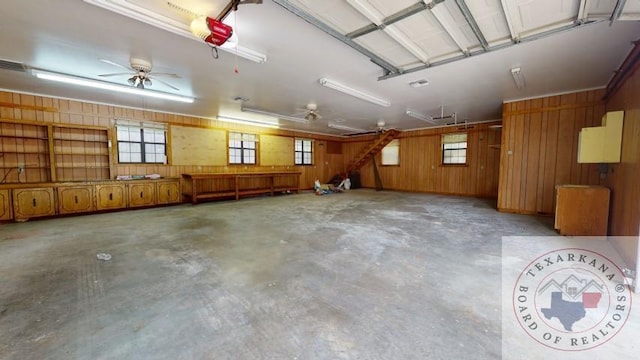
column 310, row 112
column 380, row 128
column 140, row 72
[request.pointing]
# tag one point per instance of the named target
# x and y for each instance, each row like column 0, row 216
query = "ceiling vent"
column 12, row 65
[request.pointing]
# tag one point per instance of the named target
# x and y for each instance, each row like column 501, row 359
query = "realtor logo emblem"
column 571, row 299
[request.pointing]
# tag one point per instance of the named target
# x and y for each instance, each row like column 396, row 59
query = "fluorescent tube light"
column 146, row 15
column 353, row 92
column 279, row 116
column 248, row 122
column 342, row 127
column 518, row 77
column 420, row 116
column 97, row 84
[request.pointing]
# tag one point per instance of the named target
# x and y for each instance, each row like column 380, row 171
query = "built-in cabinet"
column 33, row 202
column 5, row 205
column 111, row 196
column 141, row 194
column 168, row 192
column 75, row 199
column 22, row 202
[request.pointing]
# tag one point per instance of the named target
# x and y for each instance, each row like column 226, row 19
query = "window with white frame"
column 303, row 152
column 454, row 149
column 141, row 142
column 242, row 148
column 391, row 153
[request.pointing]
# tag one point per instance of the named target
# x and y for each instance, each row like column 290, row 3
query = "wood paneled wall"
column 624, row 178
column 539, row 149
column 42, row 109
column 421, row 168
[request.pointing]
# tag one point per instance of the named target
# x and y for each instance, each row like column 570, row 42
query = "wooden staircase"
column 371, row 149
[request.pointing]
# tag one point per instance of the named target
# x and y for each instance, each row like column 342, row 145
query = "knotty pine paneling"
column 50, row 110
column 420, row 168
column 539, row 149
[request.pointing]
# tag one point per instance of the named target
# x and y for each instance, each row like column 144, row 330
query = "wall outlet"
column 20, row 168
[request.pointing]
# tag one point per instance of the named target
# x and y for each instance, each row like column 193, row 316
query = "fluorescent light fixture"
column 419, row 83
column 147, row 15
column 342, row 127
column 419, row 116
column 354, row 92
column 103, row 85
column 275, row 115
column 248, row 122
column 518, row 77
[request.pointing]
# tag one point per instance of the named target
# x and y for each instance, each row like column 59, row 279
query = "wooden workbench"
column 204, row 186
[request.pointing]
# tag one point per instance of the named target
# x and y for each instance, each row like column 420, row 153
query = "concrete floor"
column 358, row 275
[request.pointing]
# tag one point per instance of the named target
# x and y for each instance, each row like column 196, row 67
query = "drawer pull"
column 110, row 196
column 34, row 202
column 141, row 195
column 76, row 199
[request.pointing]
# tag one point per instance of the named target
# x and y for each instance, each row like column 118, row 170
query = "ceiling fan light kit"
column 97, row 84
column 354, row 92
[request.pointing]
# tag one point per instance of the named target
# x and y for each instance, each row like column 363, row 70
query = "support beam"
column 450, row 31
column 583, row 11
column 388, row 68
column 617, row 11
column 462, row 5
column 377, row 18
column 393, row 18
column 515, row 37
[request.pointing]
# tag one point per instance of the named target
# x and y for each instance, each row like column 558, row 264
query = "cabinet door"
column 142, row 194
column 111, row 196
column 5, row 205
column 168, row 192
column 29, row 203
column 74, row 199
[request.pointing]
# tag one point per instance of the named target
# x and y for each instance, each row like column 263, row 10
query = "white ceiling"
column 560, row 45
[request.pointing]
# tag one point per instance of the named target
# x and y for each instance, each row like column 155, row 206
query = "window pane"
column 298, row 145
column 150, row 158
column 149, row 148
column 136, row 157
column 123, row 134
column 134, row 134
column 306, row 146
column 298, row 158
column 124, row 157
column 249, row 144
column 160, row 149
column 124, row 147
column 307, row 158
column 135, row 147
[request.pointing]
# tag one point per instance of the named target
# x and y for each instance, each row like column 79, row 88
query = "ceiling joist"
column 515, row 37
column 462, row 5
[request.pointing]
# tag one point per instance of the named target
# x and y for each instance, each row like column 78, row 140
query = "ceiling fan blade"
column 175, row 76
column 115, row 74
column 167, row 84
column 114, row 64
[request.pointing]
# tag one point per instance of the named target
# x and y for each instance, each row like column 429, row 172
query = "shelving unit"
column 24, row 153
column 81, row 153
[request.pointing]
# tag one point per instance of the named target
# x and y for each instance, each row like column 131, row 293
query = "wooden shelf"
column 83, row 167
column 84, row 141
column 23, row 137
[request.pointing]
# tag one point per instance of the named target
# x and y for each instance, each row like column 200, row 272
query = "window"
column 391, row 153
column 141, row 143
column 242, row 148
column 303, row 152
column 454, row 149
